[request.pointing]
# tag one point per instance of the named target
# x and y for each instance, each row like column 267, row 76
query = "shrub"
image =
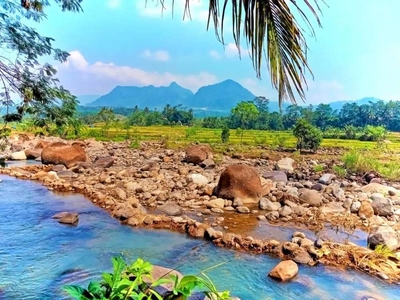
column 225, row 134
column 130, row 282
column 350, row 132
column 340, row 171
column 374, row 133
column 308, row 136
column 318, row 168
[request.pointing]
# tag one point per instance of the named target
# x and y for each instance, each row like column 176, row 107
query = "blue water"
column 38, row 255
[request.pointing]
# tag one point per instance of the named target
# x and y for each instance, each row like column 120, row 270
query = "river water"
column 38, row 255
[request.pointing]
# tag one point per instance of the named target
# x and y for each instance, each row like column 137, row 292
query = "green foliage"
column 191, row 131
column 225, row 135
column 245, row 112
column 318, row 168
column 383, row 250
column 350, row 132
column 340, row 171
column 24, row 77
column 135, row 282
column 308, row 136
column 361, row 163
column 374, row 133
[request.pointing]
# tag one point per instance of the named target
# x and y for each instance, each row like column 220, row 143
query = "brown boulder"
column 104, row 162
column 33, row 153
column 198, row 153
column 71, row 218
column 285, row 270
column 366, row 210
column 63, row 154
column 239, row 181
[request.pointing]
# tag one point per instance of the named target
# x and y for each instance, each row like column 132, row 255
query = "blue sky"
column 121, row 42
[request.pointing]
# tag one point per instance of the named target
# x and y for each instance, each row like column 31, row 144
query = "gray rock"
column 237, row 202
column 207, row 164
column 285, row 165
column 347, row 203
column 326, row 178
column 276, row 176
column 311, row 197
column 19, row 155
column 170, row 209
column 337, row 192
column 384, row 235
column 355, row 206
column 104, row 162
column 301, row 256
column 243, row 209
column 285, row 211
column 272, row 216
column 266, row 204
column 70, row 218
column 197, row 179
column 66, row 174
column 317, row 187
column 382, row 207
column 377, row 196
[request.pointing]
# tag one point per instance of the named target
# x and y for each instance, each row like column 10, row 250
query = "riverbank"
column 154, row 187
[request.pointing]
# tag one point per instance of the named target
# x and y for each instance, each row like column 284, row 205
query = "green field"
column 184, row 135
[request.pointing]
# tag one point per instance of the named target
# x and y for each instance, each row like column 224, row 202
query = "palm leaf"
column 271, row 31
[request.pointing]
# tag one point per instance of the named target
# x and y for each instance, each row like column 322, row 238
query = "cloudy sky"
column 122, row 42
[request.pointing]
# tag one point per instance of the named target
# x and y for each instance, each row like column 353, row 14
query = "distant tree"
column 245, row 113
column 308, row 136
column 324, row 116
column 225, row 134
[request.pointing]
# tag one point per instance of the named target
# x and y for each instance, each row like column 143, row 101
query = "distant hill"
column 86, row 99
column 221, row 96
column 147, row 96
column 339, row 104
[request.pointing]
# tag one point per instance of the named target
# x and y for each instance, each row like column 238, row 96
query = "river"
column 38, row 255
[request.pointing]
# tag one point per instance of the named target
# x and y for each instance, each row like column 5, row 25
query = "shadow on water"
column 38, row 255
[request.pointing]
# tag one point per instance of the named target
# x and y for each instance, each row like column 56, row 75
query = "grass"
column 366, row 161
column 318, row 168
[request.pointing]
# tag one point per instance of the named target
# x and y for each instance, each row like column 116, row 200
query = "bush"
column 308, row 136
column 350, row 132
column 374, row 133
column 225, row 134
column 134, row 282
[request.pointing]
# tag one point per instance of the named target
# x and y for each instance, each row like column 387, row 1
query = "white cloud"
column 159, row 55
column 82, row 77
column 231, row 50
column 214, row 54
column 325, row 91
column 153, row 9
column 113, row 3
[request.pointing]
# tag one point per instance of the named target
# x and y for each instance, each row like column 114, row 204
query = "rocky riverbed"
column 191, row 192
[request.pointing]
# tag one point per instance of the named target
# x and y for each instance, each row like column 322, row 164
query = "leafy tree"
column 308, row 136
column 270, row 28
column 245, row 113
column 324, row 116
column 225, row 135
column 31, row 84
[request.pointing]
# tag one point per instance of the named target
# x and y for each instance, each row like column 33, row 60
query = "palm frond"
column 272, row 32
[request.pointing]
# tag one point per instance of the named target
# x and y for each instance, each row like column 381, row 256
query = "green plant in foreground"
column 340, row 171
column 318, row 168
column 383, row 250
column 134, row 282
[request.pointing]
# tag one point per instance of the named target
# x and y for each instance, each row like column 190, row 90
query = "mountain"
column 339, row 104
column 147, row 96
column 86, row 99
column 221, row 96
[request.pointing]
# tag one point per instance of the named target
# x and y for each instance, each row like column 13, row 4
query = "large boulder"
column 311, row 197
column 63, row 154
column 285, row 165
column 285, row 270
column 239, row 181
column 276, row 176
column 382, row 207
column 379, row 188
column 384, row 235
column 198, row 153
column 42, row 144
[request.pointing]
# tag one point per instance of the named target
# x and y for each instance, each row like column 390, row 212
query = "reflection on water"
column 38, row 255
